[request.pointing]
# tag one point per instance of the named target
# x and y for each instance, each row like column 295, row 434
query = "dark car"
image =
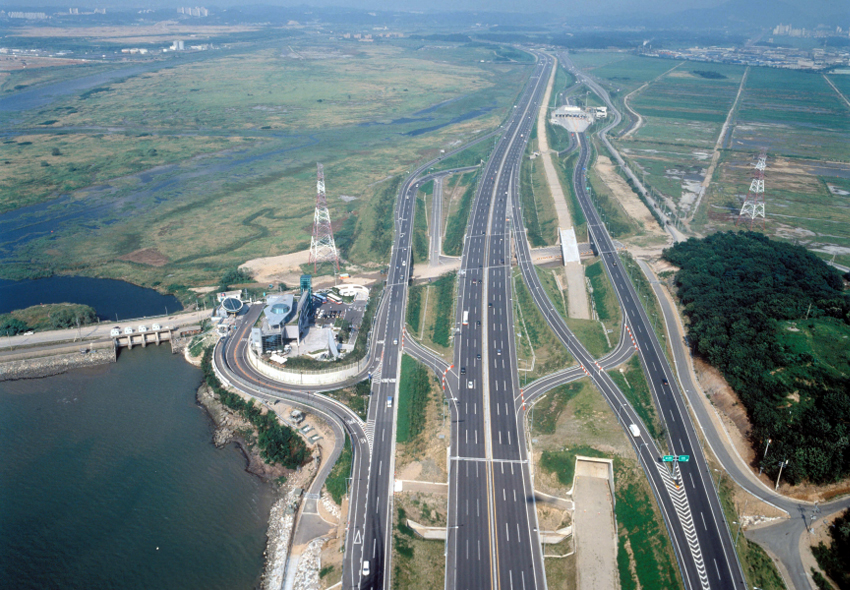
column 664, row 381
column 478, row 356
column 463, row 370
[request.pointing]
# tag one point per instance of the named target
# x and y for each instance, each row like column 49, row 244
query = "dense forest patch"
column 775, row 319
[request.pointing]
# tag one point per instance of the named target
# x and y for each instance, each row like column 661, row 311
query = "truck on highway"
column 633, row 428
column 465, row 318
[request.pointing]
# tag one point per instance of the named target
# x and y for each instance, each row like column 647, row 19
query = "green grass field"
column 632, row 382
column 796, row 115
column 239, row 179
column 534, row 338
column 443, row 310
column 458, row 215
column 804, row 202
column 549, row 408
column 413, row 392
column 607, row 306
column 563, row 463
column 538, row 206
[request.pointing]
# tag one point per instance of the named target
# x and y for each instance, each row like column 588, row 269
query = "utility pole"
column 740, row 522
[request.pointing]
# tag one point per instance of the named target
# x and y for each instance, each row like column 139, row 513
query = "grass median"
column 534, row 337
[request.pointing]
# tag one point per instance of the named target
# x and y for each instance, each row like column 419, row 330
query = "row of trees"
column 278, row 443
column 735, row 288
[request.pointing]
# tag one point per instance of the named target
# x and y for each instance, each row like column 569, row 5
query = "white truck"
column 633, row 428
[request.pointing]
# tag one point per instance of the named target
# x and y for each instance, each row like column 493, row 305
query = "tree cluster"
column 736, row 288
column 234, row 276
column 278, row 443
column 9, row 326
column 835, row 558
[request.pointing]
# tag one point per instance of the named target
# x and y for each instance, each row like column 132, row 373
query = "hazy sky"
column 597, row 8
column 555, row 6
column 528, row 6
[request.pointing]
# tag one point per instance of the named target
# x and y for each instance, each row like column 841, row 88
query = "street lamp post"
column 765, row 455
column 781, row 465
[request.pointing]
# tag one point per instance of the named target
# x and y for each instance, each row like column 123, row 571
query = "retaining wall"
column 327, row 377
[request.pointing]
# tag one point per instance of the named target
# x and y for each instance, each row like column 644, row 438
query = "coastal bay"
column 110, row 479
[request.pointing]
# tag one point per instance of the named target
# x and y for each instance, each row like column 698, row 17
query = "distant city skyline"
column 616, row 9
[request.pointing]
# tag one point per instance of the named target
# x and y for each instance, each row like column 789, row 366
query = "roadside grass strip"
column 444, row 308
column 336, row 482
column 458, row 218
column 413, row 391
column 632, row 382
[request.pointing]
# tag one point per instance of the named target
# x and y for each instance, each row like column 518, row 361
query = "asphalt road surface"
column 783, row 537
column 373, row 443
column 686, row 495
column 492, row 525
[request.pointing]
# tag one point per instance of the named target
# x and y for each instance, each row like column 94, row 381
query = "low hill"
column 775, row 320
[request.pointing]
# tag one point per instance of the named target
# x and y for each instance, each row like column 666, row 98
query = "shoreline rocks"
column 48, row 366
column 231, row 427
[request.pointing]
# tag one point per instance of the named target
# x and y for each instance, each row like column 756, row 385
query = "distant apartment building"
column 28, row 15
column 196, row 11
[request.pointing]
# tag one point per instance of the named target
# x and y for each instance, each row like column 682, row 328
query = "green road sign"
column 684, row 458
column 668, row 458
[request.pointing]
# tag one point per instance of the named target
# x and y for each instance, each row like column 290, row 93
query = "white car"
column 143, row 328
column 128, row 330
column 364, row 571
column 470, row 384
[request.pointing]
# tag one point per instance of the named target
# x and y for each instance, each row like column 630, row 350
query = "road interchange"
column 493, row 464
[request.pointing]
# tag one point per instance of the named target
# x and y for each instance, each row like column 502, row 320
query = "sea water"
column 109, row 479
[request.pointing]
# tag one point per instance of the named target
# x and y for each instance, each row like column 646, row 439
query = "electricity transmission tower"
column 322, row 246
column 754, row 203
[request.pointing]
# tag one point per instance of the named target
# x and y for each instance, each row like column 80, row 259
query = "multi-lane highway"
column 686, row 495
column 369, row 519
column 492, row 537
column 492, row 529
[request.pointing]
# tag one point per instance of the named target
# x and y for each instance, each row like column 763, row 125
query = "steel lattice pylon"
column 322, row 246
column 754, row 203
